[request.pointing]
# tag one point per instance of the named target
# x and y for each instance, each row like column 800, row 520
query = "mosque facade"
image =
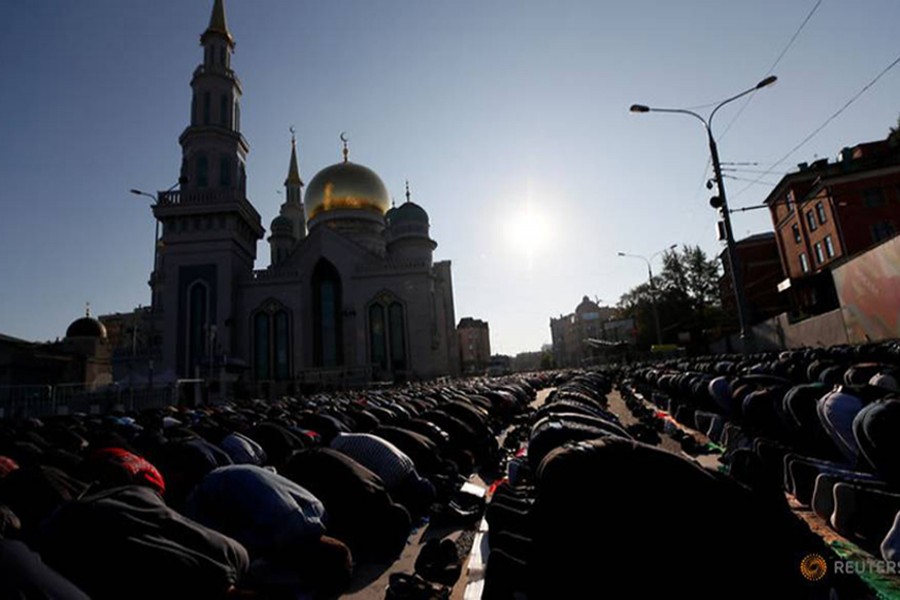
column 352, row 283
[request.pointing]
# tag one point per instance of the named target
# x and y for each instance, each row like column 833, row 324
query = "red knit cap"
column 7, row 466
column 121, row 466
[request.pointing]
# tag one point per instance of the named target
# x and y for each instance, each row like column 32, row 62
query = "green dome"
column 409, row 212
column 282, row 224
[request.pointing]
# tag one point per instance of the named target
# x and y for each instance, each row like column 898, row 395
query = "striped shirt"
column 378, row 455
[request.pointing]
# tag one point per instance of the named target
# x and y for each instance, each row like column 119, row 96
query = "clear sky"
column 509, row 118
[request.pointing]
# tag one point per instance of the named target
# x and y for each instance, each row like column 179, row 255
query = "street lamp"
column 155, row 273
column 652, row 286
column 720, row 201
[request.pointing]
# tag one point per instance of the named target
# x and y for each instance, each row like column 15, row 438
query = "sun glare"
column 528, row 232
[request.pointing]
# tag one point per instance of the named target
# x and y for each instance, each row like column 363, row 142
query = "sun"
column 528, row 231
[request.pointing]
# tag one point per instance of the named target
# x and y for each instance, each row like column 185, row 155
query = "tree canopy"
column 687, row 298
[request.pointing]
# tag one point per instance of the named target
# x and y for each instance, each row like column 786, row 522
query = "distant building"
column 590, row 321
column 499, row 365
column 527, row 361
column 829, row 211
column 81, row 359
column 474, row 345
column 134, row 341
column 761, row 269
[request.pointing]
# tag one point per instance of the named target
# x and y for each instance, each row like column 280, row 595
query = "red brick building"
column 761, row 267
column 829, row 211
column 474, row 345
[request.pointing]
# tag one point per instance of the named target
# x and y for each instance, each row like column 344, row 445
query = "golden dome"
column 345, row 186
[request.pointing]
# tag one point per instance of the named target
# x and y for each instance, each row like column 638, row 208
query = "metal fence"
column 26, row 401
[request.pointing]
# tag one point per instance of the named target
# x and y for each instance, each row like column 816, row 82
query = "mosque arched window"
column 327, row 320
column 398, row 336
column 387, row 332
column 223, row 110
column 271, row 342
column 198, row 324
column 261, row 345
column 206, row 108
column 202, row 171
column 377, row 336
column 225, row 172
column 282, row 345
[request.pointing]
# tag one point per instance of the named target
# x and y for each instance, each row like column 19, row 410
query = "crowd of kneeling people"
column 821, row 424
column 589, row 511
column 242, row 499
column 275, row 499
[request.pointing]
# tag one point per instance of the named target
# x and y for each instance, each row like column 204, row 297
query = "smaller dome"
column 282, row 224
column 409, row 212
column 86, row 327
column 587, row 305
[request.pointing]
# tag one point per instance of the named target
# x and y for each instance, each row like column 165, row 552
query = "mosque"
column 352, row 283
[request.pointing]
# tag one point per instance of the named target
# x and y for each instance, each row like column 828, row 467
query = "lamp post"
column 653, row 305
column 154, row 274
column 720, row 202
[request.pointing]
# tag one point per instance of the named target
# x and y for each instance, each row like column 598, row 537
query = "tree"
column 894, row 135
column 687, row 298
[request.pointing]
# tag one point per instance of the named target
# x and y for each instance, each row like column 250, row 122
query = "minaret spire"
column 217, row 22
column 293, row 209
column 407, row 190
column 293, row 168
column 345, row 139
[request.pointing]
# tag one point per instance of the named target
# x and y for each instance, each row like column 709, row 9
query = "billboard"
column 868, row 287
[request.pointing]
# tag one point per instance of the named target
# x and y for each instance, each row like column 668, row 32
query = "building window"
column 377, row 337
column 282, row 345
column 789, row 200
column 804, row 262
column 198, row 324
column 882, row 230
column 225, row 172
column 202, row 171
column 327, row 318
column 820, row 256
column 194, row 109
column 820, row 211
column 271, row 344
column 811, row 220
column 261, row 337
column 795, row 229
column 873, row 198
column 829, row 246
column 237, row 115
column 223, row 110
column 206, row 108
column 398, row 337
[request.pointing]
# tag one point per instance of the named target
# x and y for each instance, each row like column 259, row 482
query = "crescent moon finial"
column 344, row 139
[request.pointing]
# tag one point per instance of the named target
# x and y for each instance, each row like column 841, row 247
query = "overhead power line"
column 827, row 121
column 774, row 64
